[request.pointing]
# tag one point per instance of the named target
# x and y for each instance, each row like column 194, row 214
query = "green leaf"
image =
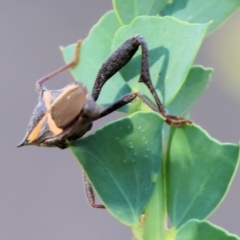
column 199, row 230
column 199, row 173
column 173, row 46
column 122, row 163
column 128, row 10
column 167, row 71
column 94, row 50
column 202, row 11
column 193, row 87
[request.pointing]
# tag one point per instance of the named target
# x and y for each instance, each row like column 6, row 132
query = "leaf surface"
column 199, row 172
column 128, row 10
column 122, row 163
column 199, row 230
column 202, row 11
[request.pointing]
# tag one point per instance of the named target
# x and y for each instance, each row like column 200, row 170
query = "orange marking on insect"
column 52, row 126
column 35, row 132
column 67, row 89
column 47, row 97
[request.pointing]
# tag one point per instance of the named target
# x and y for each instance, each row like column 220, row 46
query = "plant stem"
column 155, row 213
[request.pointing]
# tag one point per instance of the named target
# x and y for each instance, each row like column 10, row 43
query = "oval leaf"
column 203, row 230
column 122, row 163
column 172, row 45
column 94, row 50
column 192, row 88
column 202, row 11
column 199, row 172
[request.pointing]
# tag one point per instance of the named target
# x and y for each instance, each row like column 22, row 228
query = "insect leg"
column 120, row 58
column 114, row 63
column 123, row 101
column 146, row 79
column 90, row 193
column 170, row 119
column 62, row 69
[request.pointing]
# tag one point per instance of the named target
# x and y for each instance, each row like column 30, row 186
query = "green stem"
column 155, row 213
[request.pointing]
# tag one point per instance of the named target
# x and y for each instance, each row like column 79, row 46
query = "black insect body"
column 67, row 114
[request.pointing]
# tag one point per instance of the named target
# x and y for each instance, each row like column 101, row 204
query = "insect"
column 68, row 113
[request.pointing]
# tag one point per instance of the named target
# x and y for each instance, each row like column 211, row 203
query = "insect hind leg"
column 73, row 63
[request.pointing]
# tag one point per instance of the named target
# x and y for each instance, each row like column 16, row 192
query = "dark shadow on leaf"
column 109, row 131
column 125, row 89
column 164, row 52
column 133, row 68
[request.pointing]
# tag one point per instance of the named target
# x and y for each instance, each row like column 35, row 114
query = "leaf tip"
column 61, row 48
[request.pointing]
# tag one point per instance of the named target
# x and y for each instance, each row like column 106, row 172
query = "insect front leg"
column 123, row 101
column 170, row 119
